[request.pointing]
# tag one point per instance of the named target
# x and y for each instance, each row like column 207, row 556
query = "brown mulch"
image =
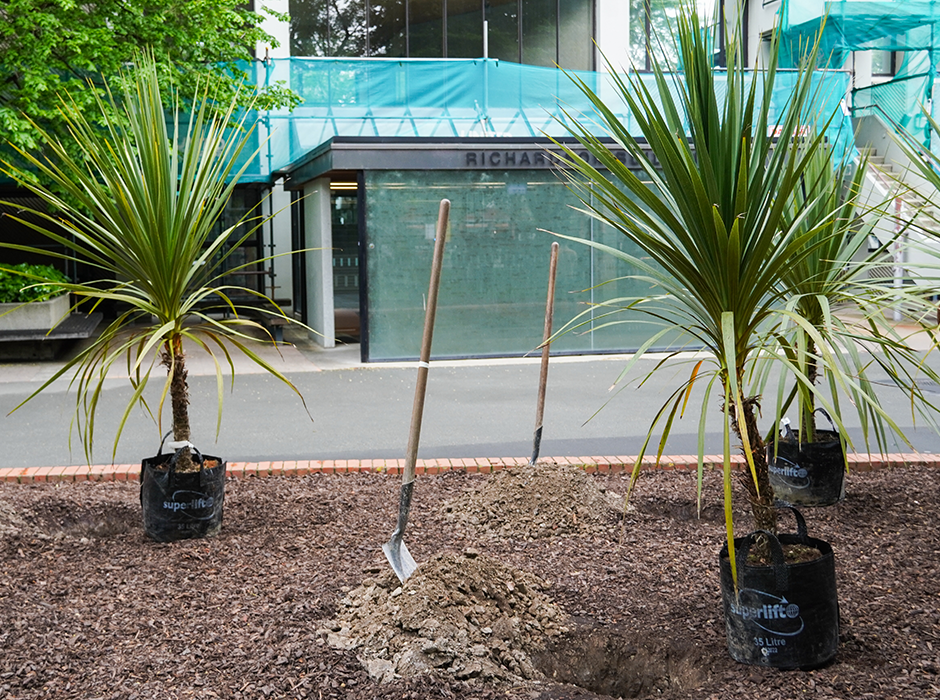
column 627, row 606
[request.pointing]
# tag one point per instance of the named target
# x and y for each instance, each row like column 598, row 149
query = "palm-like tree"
column 140, row 205
column 834, row 273
column 714, row 215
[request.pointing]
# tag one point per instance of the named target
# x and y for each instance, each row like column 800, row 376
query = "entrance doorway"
column 345, row 223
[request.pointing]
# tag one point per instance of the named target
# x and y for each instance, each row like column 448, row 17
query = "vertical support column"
column 318, row 227
column 861, row 69
column 612, row 24
column 279, row 201
column 276, row 28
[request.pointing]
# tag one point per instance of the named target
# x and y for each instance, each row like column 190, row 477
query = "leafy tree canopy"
column 50, row 45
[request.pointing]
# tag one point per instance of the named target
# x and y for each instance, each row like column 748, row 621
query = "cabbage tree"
column 710, row 205
column 135, row 193
column 834, row 274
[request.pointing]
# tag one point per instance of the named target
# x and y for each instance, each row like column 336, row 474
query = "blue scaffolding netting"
column 910, row 27
column 460, row 98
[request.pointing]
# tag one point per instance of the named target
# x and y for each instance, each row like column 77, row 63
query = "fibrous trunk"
column 760, row 492
column 808, row 405
column 174, row 359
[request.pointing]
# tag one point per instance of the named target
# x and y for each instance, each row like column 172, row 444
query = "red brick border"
column 243, row 470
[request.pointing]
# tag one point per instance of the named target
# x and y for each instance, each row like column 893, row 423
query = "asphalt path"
column 354, row 411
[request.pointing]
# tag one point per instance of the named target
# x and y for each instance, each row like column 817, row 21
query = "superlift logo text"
column 775, row 615
column 192, row 503
column 792, row 474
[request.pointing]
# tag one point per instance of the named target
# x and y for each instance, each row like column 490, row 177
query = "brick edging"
column 241, row 470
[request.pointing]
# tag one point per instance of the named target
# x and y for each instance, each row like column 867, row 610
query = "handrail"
column 876, row 108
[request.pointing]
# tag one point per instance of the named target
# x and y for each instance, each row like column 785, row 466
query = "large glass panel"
column 492, row 298
column 575, row 34
column 652, row 30
column 503, row 19
column 348, row 28
column 882, row 60
column 242, row 210
column 882, row 63
column 308, row 28
column 539, row 32
column 328, row 28
column 387, row 28
column 426, row 28
column 464, row 28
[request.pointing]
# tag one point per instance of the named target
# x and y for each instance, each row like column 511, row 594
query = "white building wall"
column 612, row 19
column 278, row 203
column 277, row 29
column 318, row 232
column 761, row 20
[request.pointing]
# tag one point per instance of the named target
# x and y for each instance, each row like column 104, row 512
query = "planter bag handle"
column 179, row 447
column 801, row 532
column 828, row 418
column 786, row 432
column 776, row 549
column 776, row 553
column 197, row 457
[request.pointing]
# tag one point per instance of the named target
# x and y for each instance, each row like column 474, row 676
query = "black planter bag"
column 807, row 473
column 785, row 615
column 179, row 506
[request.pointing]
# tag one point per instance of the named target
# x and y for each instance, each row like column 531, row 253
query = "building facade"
column 406, row 102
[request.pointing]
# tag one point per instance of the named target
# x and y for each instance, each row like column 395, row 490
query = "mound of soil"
column 465, row 615
column 533, row 501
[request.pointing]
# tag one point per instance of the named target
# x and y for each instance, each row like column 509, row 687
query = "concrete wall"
column 278, row 205
column 612, row 34
column 279, row 30
column 318, row 231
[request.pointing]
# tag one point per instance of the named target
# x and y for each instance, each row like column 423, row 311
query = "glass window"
column 539, row 32
column 387, row 29
column 308, row 28
column 503, row 19
column 328, row 28
column 347, row 26
column 536, row 32
column 652, row 30
column 575, row 31
column 883, row 60
column 882, row 63
column 492, row 297
column 426, row 28
column 242, row 207
column 464, row 29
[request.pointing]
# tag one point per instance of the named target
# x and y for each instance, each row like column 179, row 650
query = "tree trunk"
column 761, row 493
column 808, row 405
column 174, row 359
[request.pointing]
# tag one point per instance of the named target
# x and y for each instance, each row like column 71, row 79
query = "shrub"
column 23, row 283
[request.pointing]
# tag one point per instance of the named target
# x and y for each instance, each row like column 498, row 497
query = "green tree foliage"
column 47, row 46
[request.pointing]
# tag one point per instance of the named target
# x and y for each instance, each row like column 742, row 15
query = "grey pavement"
column 475, row 408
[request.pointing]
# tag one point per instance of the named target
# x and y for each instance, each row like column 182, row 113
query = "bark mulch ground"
column 569, row 601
